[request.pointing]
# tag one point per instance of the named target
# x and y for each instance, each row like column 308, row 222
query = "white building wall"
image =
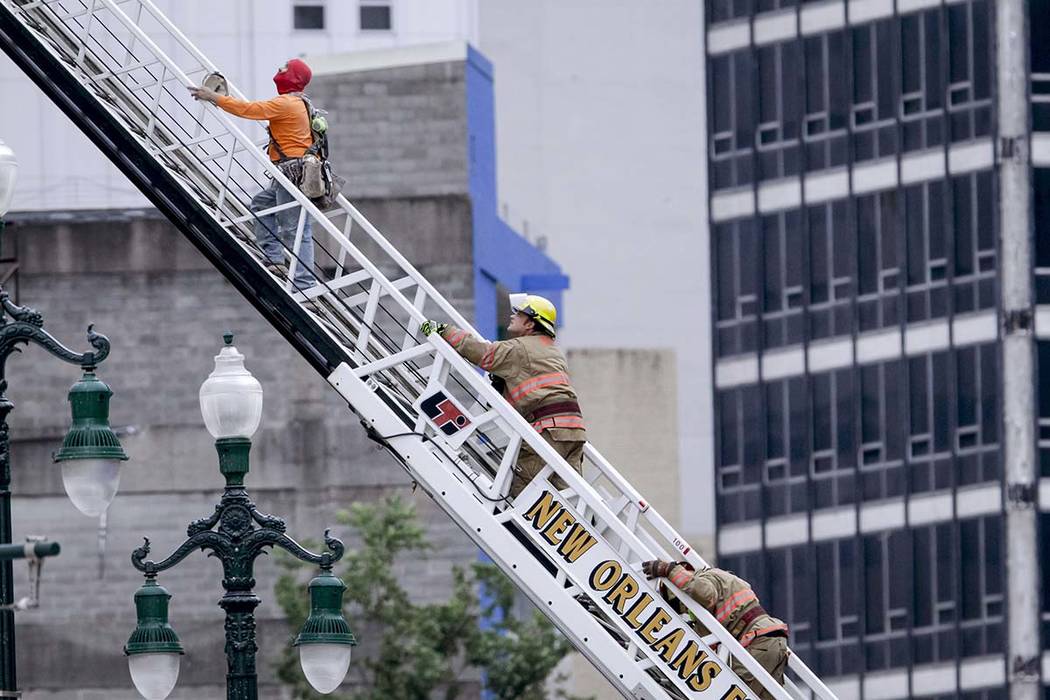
column 600, row 136
column 248, row 39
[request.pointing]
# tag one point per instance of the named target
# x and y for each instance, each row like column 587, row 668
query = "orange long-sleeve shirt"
column 288, row 117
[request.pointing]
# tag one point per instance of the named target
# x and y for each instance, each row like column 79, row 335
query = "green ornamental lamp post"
column 90, row 473
column 231, row 403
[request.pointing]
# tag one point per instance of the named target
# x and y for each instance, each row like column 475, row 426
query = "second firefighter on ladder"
column 733, row 602
column 533, row 376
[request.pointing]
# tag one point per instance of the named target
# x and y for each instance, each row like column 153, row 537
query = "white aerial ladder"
column 102, row 63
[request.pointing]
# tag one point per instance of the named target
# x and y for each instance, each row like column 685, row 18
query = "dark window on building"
column 731, row 99
column 827, row 105
column 935, row 607
column 879, row 280
column 881, row 451
column 1044, row 409
column 929, row 446
column 1041, row 202
column 874, row 108
column 833, row 267
column 737, row 286
column 770, row 5
column 787, row 594
column 375, row 16
column 787, row 446
column 1044, row 549
column 838, row 623
column 1039, row 33
column 783, row 294
column 887, row 588
column 740, row 454
column 969, row 74
column 777, row 135
column 833, row 459
column 973, row 224
column 922, row 82
column 925, row 234
column 722, row 10
column 977, row 414
column 981, row 585
column 308, row 16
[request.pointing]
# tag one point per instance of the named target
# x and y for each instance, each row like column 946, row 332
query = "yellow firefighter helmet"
column 539, row 309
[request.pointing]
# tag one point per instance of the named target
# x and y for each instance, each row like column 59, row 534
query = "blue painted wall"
column 501, row 255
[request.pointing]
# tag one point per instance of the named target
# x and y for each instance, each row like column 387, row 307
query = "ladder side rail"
column 812, row 681
column 459, row 501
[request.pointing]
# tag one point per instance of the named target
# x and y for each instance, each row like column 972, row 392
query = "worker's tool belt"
column 291, row 168
column 558, row 408
column 749, row 616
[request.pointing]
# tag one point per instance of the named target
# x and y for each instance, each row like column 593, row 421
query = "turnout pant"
column 772, row 653
column 530, row 463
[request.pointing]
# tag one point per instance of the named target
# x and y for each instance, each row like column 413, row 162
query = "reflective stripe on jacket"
column 731, row 600
column 536, row 375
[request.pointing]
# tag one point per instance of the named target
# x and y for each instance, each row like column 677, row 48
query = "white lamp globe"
column 154, row 675
column 231, row 398
column 8, row 175
column 325, row 665
column 91, row 484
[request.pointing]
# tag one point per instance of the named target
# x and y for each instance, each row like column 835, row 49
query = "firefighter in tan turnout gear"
column 532, row 374
column 733, row 603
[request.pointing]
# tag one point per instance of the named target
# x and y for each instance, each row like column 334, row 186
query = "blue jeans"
column 272, row 230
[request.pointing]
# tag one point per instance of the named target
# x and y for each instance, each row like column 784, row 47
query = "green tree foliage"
column 423, row 651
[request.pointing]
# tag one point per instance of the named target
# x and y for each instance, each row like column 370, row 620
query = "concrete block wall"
column 398, row 131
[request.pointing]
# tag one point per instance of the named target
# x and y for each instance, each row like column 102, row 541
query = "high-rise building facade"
column 865, row 293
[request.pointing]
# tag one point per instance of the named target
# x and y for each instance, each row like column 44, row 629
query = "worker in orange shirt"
column 290, row 137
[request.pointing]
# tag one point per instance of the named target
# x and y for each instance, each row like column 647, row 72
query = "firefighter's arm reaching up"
column 497, row 357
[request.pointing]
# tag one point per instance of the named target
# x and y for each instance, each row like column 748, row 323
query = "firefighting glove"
column 428, row 327
column 657, row 569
